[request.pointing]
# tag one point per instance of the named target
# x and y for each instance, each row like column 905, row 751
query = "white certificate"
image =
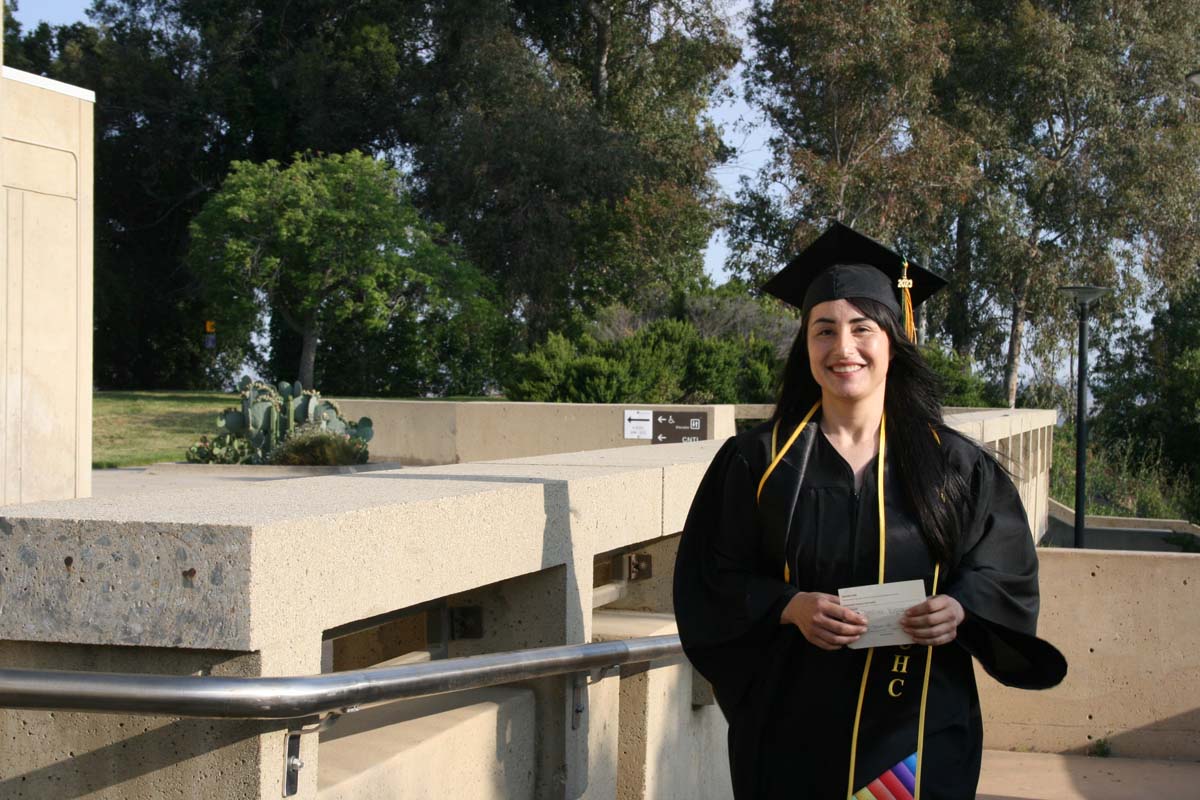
column 883, row 604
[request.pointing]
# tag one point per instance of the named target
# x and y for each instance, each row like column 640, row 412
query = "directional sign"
column 679, row 426
column 637, row 424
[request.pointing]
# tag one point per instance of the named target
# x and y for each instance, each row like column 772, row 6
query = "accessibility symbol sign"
column 679, row 426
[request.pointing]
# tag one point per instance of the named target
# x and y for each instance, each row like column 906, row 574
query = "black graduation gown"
column 790, row 705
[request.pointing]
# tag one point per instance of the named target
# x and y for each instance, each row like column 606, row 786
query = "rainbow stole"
column 889, row 724
column 897, row 783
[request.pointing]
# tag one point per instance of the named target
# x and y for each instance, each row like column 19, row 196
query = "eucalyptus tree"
column 1088, row 154
column 848, row 89
column 1016, row 146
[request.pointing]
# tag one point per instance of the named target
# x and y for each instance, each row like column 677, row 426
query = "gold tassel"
column 905, row 283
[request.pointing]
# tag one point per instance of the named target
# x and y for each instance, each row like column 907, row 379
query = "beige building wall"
column 45, row 289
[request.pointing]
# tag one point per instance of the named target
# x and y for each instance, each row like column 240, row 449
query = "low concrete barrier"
column 1126, row 623
column 497, row 555
column 428, row 432
column 1121, row 533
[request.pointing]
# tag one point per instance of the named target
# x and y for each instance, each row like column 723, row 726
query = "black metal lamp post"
column 1083, row 297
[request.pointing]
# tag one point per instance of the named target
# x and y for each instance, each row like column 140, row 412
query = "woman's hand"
column 935, row 621
column 823, row 620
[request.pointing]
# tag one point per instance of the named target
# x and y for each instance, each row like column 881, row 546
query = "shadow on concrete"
column 144, row 754
column 459, row 479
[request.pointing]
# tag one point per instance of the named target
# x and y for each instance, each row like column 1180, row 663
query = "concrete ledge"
column 1067, row 514
column 262, row 470
column 476, row 744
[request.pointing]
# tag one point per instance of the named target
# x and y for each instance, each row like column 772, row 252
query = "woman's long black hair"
column 912, row 402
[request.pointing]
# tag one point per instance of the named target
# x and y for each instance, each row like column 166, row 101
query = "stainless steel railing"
column 297, row 697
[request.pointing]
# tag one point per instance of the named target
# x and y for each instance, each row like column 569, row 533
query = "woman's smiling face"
column 847, row 351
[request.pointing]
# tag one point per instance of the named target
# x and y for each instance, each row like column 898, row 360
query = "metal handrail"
column 296, row 697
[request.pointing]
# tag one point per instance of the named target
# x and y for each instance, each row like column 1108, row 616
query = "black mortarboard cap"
column 842, row 263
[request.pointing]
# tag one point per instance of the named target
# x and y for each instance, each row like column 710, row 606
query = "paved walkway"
column 1043, row 776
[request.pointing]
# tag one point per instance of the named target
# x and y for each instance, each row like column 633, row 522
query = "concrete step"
column 1046, row 776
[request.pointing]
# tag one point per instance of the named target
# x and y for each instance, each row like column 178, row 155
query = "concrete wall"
column 1023, row 439
column 427, row 432
column 1127, row 624
column 471, row 744
column 182, row 582
column 45, row 289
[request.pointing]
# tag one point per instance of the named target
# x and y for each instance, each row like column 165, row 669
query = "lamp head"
column 1084, row 295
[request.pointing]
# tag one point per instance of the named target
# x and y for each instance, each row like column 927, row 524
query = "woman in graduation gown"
column 856, row 481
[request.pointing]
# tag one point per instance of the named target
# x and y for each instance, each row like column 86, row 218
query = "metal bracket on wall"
column 578, row 698
column 466, row 622
column 639, row 567
column 292, row 763
column 579, row 684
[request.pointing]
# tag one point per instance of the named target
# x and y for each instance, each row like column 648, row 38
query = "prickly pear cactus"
column 270, row 414
column 258, row 420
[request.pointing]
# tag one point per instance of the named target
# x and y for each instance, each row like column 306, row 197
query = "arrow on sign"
column 662, row 438
column 662, row 419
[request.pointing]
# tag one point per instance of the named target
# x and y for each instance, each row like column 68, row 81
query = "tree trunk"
column 602, row 15
column 958, row 316
column 1015, row 334
column 308, row 354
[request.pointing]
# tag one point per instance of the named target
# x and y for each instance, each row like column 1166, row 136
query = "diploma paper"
column 883, row 604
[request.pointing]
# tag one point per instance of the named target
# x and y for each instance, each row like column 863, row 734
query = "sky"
column 744, row 129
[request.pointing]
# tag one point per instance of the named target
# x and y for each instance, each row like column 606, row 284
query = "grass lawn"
column 137, row 428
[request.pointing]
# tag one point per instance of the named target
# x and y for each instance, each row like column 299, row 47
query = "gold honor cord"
column 924, row 697
column 777, row 457
column 862, row 687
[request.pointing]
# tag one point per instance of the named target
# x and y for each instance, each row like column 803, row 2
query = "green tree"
column 1147, row 386
column 849, row 91
column 320, row 242
column 1012, row 147
column 1088, row 154
column 184, row 89
column 457, row 342
column 565, row 146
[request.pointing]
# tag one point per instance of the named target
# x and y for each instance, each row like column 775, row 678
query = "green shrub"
column 960, row 385
column 1120, row 481
column 665, row 361
column 314, row 446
